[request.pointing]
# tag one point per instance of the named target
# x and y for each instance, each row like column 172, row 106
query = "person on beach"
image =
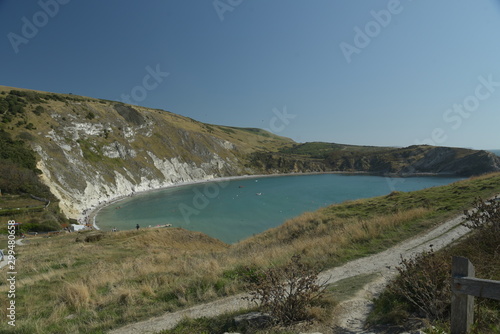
column 137, row 227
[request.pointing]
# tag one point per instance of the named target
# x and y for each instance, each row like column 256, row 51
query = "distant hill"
column 418, row 159
column 89, row 150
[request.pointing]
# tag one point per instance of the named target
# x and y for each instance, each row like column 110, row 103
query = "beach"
column 281, row 200
column 88, row 215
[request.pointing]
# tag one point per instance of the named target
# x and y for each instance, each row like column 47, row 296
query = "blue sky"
column 389, row 73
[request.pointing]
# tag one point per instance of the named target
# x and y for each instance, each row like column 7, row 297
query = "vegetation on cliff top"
column 322, row 157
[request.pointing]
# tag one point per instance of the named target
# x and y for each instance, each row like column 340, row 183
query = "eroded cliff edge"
column 91, row 151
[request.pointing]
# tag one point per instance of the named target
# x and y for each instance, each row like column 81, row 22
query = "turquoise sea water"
column 234, row 210
column 497, row 152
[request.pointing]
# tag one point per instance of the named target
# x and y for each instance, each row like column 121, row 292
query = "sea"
column 497, row 152
column 232, row 210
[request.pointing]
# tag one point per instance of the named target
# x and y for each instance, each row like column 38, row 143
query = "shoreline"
column 89, row 218
column 88, row 215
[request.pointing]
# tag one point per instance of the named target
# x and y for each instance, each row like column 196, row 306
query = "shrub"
column 94, row 237
column 46, row 226
column 39, row 110
column 16, row 151
column 287, row 293
column 485, row 215
column 4, row 106
column 424, row 282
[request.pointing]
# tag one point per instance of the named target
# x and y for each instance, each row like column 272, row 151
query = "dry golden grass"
column 128, row 270
column 318, row 236
column 69, row 286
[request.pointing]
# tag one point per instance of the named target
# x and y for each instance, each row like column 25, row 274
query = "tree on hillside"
column 16, row 151
column 18, row 180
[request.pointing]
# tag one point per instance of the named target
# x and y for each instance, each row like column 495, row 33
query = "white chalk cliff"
column 93, row 151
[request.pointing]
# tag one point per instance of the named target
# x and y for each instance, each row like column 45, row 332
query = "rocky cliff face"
column 402, row 161
column 91, row 151
column 455, row 161
column 86, row 162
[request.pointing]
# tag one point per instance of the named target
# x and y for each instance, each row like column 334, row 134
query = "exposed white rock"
column 117, row 150
column 82, row 183
column 85, row 129
column 227, row 145
column 97, row 191
column 128, row 132
column 176, row 171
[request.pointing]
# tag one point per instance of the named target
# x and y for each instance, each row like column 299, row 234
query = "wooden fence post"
column 462, row 305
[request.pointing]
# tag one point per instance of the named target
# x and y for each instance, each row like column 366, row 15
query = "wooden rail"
column 464, row 287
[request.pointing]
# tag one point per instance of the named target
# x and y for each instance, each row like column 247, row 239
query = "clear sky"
column 388, row 72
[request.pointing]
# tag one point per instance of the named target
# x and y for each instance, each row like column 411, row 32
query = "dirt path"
column 353, row 312
column 352, row 316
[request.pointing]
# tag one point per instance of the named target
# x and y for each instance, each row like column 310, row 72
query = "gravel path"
column 353, row 312
column 352, row 316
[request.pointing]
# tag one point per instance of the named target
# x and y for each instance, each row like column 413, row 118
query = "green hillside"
column 88, row 151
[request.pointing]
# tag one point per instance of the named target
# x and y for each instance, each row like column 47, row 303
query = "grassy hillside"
column 321, row 157
column 70, row 285
column 23, row 109
column 116, row 149
column 23, row 197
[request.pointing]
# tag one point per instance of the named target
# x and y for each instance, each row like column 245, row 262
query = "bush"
column 19, row 180
column 46, row 226
column 4, row 106
column 39, row 110
column 419, row 277
column 287, row 293
column 424, row 282
column 93, row 237
column 16, row 151
column 90, row 115
column 485, row 215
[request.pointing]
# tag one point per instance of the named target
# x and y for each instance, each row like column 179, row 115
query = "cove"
column 235, row 209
